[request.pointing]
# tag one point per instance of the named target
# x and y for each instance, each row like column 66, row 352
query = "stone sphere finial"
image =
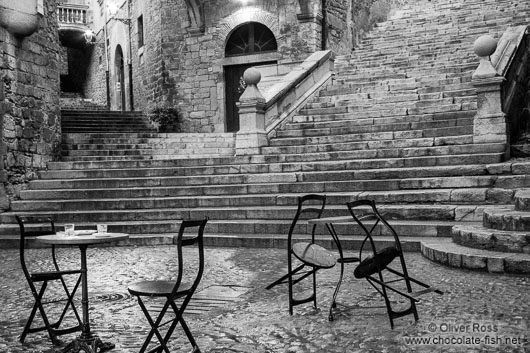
column 252, row 76
column 485, row 45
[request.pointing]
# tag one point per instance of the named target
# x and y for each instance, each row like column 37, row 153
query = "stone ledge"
column 445, row 252
column 490, row 239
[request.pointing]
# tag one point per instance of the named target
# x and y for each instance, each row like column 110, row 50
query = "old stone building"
column 138, row 55
column 29, row 91
column 191, row 54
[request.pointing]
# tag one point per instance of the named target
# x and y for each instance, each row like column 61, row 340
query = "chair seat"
column 51, row 275
column 314, row 255
column 377, row 263
column 157, row 288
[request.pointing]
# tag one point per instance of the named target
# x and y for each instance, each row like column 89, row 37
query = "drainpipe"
column 107, row 73
column 131, row 95
column 324, row 25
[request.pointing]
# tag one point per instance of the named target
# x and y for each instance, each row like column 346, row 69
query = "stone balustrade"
column 72, row 14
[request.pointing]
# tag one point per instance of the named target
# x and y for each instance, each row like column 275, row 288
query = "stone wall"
column 182, row 66
column 29, row 72
column 95, row 87
column 182, row 63
column 367, row 13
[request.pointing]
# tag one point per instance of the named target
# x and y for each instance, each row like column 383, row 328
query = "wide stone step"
column 238, row 194
column 223, row 171
column 508, row 219
column 265, row 221
column 314, row 136
column 479, row 237
column 358, row 124
column 343, row 160
column 145, row 137
column 156, row 197
column 390, row 147
column 446, row 252
column 285, row 183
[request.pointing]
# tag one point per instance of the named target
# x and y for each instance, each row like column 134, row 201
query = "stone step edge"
column 444, row 251
column 279, row 241
column 480, row 237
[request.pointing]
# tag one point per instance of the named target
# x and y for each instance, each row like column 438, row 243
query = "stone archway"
column 249, row 38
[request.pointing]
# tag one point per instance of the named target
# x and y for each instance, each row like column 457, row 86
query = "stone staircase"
column 89, row 121
column 94, row 135
column 500, row 244
column 395, row 125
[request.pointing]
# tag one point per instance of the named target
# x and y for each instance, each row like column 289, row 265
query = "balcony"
column 73, row 23
column 68, row 14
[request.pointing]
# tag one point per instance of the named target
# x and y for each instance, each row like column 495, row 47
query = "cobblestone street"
column 232, row 312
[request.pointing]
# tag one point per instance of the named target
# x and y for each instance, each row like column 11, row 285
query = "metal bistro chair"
column 375, row 266
column 309, row 254
column 45, row 226
column 172, row 290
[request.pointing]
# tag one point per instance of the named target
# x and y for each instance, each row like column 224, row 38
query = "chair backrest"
column 366, row 215
column 197, row 227
column 31, row 226
column 311, row 206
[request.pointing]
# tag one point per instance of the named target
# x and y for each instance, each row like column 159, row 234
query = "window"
column 250, row 38
column 140, row 31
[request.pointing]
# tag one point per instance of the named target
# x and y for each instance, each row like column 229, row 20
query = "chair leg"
column 284, row 278
column 179, row 318
column 315, row 288
column 70, row 302
column 154, row 327
column 38, row 306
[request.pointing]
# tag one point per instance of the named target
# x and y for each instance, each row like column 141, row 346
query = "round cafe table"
column 87, row 341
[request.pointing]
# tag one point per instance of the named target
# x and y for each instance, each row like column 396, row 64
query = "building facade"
column 190, row 54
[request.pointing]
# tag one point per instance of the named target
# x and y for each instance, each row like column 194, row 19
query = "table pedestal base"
column 88, row 345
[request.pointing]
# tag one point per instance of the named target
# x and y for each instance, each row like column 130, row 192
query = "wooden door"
column 235, row 87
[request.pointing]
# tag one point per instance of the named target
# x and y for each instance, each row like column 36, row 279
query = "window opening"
column 250, row 38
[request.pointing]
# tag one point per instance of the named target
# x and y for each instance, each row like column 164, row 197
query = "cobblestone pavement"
column 479, row 312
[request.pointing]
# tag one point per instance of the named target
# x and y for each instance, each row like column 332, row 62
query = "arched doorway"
column 247, row 39
column 120, row 79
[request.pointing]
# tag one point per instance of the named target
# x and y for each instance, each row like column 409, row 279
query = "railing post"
column 251, row 135
column 489, row 125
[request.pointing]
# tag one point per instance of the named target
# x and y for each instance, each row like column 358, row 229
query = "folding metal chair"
column 312, row 257
column 45, row 226
column 172, row 290
column 374, row 267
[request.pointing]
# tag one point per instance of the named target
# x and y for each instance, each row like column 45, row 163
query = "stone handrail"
column 72, row 14
column 262, row 113
column 501, row 82
column 511, row 60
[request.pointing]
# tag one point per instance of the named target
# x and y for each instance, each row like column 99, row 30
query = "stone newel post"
column 489, row 125
column 251, row 135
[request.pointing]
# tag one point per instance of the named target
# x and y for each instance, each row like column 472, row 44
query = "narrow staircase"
column 395, row 125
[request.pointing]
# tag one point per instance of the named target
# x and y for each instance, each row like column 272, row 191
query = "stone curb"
column 445, row 252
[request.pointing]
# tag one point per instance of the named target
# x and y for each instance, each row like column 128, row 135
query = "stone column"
column 310, row 20
column 251, row 135
column 490, row 124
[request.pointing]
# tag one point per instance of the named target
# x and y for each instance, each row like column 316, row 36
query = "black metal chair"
column 31, row 227
column 172, row 290
column 312, row 257
column 374, row 267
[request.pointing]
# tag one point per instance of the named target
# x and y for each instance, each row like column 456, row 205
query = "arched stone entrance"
column 119, row 68
column 249, row 38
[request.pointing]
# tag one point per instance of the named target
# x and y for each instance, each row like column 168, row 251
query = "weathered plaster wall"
column 29, row 71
